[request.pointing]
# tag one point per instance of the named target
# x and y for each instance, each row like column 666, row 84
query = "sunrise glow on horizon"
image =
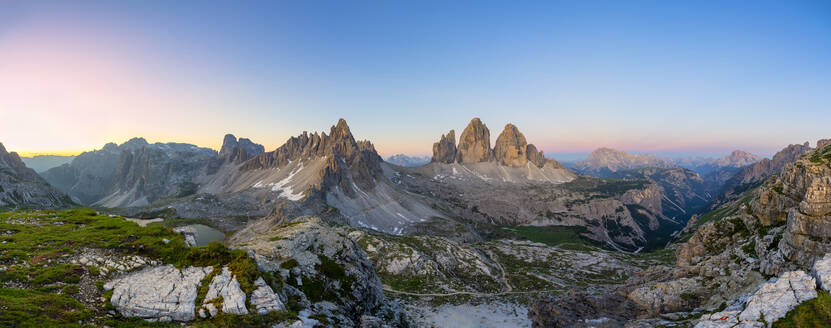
column 699, row 78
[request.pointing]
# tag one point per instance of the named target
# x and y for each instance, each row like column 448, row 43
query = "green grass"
column 34, row 252
column 604, row 186
column 813, row 313
column 31, row 308
column 565, row 236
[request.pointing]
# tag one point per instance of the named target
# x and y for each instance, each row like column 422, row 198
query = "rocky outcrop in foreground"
column 321, row 273
column 161, row 293
column 22, row 186
column 321, row 263
column 225, row 286
column 771, row 302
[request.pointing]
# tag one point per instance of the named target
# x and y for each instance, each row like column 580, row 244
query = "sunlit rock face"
column 474, row 143
column 510, row 147
column 444, row 151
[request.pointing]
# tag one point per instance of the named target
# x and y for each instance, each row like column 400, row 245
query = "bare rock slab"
column 775, row 299
column 264, row 300
column 822, row 272
column 226, row 285
column 160, row 293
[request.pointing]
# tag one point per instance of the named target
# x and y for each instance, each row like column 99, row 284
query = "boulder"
column 510, row 147
column 822, row 272
column 474, row 143
column 264, row 300
column 161, row 293
column 189, row 232
column 226, row 285
column 670, row 296
column 776, row 298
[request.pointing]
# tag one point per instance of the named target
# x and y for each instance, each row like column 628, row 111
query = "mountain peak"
column 604, row 160
column 510, row 147
column 347, row 160
column 738, row 158
column 444, row 151
column 340, row 130
column 474, row 143
column 239, row 150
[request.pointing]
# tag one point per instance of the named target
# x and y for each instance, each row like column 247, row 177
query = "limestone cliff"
column 444, row 151
column 474, row 143
column 510, row 147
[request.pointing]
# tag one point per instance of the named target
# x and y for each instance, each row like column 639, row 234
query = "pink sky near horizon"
column 69, row 85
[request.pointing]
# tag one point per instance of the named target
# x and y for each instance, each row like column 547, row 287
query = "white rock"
column 264, row 299
column 775, row 299
column 162, row 293
column 226, row 285
column 211, row 309
column 822, row 272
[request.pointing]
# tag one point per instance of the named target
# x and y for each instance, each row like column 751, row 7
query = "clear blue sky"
column 668, row 77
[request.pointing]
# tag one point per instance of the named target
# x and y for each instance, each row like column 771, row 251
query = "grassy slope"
column 34, row 254
column 813, row 313
column 565, row 236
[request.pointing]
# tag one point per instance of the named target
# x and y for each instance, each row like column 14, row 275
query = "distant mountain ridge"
column 404, row 160
column 134, row 173
column 735, row 159
column 41, row 163
column 603, row 162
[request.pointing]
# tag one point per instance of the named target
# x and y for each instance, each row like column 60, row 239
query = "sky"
column 674, row 78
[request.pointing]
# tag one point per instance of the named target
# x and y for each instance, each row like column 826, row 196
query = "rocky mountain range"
column 514, row 184
column 736, row 159
column 404, row 160
column 725, row 264
column 134, row 173
column 752, row 175
column 21, row 186
column 324, row 227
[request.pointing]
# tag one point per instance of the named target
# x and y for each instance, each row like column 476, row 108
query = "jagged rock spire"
column 444, row 151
